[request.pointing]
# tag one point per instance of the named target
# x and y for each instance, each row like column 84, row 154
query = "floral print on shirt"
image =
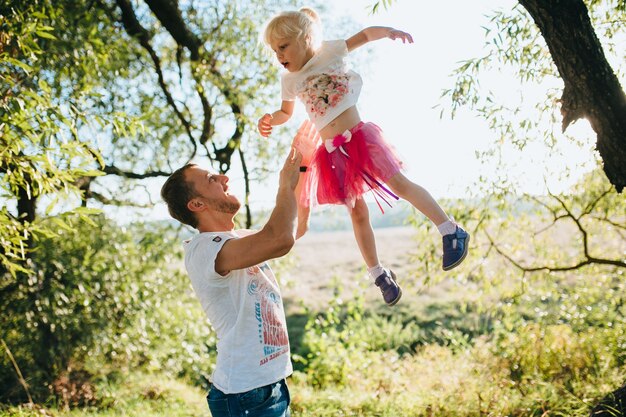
column 321, row 91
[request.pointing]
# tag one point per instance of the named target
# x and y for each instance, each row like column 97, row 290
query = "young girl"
column 353, row 157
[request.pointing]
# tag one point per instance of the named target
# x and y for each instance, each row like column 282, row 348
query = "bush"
column 97, row 293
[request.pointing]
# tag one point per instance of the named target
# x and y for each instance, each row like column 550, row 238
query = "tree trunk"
column 592, row 89
column 26, row 211
column 612, row 405
column 170, row 16
column 26, row 206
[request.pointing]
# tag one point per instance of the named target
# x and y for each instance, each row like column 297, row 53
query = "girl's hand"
column 306, row 141
column 264, row 126
column 398, row 34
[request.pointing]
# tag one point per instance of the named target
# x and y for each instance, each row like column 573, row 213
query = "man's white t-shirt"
column 246, row 311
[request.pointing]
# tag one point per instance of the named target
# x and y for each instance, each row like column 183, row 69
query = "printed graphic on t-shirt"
column 321, row 91
column 253, row 270
column 272, row 328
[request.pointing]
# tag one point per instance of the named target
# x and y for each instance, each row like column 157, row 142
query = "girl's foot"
column 455, row 246
column 389, row 287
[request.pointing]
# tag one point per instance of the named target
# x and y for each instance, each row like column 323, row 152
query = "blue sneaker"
column 389, row 287
column 455, row 247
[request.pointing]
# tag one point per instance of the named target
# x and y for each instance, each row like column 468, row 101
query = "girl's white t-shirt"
column 324, row 84
column 246, row 311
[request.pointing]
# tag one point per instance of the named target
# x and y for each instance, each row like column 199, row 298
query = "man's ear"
column 195, row 205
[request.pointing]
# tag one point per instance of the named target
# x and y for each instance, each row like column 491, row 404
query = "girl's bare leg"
column 418, row 197
column 364, row 233
column 455, row 240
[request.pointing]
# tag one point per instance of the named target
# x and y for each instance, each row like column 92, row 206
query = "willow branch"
column 136, row 30
column 113, row 170
column 246, row 179
column 207, row 109
column 587, row 261
column 18, row 372
column 609, row 221
column 115, row 202
column 171, row 18
column 595, row 202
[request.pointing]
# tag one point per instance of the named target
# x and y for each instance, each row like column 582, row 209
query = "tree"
column 513, row 41
column 591, row 87
column 92, row 92
column 570, row 42
column 160, row 84
column 220, row 76
column 95, row 97
column 591, row 90
column 41, row 151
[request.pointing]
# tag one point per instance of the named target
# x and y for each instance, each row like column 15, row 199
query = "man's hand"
column 306, row 141
column 264, row 125
column 290, row 174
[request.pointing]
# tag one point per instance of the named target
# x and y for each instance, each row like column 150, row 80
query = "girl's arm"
column 284, row 114
column 277, row 118
column 374, row 33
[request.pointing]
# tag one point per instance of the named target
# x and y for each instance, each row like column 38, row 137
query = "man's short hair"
column 177, row 192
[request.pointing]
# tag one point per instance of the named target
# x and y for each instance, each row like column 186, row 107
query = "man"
column 236, row 287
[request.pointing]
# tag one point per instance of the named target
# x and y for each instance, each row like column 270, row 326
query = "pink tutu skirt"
column 348, row 166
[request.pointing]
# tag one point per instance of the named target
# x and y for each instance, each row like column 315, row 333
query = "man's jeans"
column 268, row 401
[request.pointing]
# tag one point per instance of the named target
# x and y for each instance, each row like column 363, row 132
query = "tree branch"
column 171, row 18
column 569, row 214
column 136, row 30
column 18, row 372
column 207, row 109
column 595, row 202
column 115, row 202
column 576, row 220
column 609, row 221
column 113, row 170
column 587, row 261
column 246, row 179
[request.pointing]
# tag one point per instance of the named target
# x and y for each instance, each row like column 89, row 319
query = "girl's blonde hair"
column 302, row 24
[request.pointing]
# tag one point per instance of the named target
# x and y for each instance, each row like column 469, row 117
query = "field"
column 322, row 257
column 481, row 340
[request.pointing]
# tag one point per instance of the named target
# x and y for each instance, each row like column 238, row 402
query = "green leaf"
column 45, row 35
column 18, row 63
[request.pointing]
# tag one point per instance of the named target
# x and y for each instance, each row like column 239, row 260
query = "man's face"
column 212, row 190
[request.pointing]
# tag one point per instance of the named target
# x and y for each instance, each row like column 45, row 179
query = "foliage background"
column 97, row 311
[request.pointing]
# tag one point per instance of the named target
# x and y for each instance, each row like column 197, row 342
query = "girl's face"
column 292, row 53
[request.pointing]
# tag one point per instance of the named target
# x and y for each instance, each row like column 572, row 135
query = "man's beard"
column 230, row 207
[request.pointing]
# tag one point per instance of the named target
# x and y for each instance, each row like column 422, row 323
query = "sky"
column 405, row 83
column 402, row 87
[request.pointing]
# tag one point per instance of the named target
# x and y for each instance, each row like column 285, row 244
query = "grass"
column 492, row 342
column 432, row 381
column 351, row 362
column 135, row 394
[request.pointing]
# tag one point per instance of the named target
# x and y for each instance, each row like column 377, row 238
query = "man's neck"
column 217, row 222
